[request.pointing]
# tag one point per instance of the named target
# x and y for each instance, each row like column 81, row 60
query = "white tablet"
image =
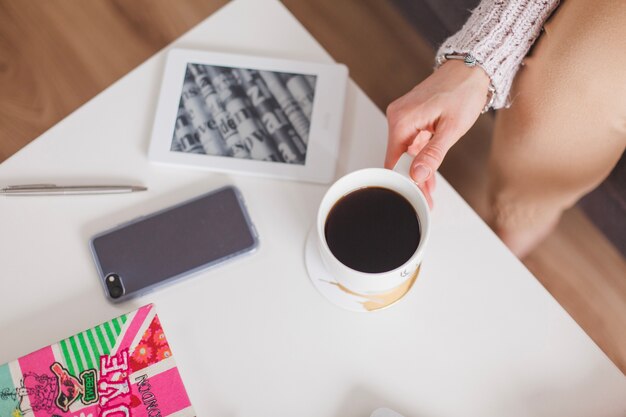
column 253, row 115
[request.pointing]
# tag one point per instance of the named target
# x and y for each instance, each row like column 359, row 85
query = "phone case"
column 143, row 278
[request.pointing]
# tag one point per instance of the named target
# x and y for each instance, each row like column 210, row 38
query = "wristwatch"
column 471, row 61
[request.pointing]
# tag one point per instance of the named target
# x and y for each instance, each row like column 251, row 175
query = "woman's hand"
column 433, row 116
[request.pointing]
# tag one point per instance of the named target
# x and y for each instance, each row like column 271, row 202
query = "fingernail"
column 421, row 173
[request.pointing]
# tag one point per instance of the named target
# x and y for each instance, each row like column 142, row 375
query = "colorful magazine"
column 121, row 368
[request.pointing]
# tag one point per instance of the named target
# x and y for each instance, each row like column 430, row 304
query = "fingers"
column 430, row 186
column 419, row 142
column 397, row 144
column 430, row 157
column 404, row 126
column 427, row 193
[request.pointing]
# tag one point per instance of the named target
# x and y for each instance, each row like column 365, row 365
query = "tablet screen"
column 244, row 113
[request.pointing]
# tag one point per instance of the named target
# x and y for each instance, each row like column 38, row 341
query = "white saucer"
column 339, row 295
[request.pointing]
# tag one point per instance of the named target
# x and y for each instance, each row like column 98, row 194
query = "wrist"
column 476, row 73
column 472, row 72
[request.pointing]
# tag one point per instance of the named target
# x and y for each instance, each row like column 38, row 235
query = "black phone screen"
column 174, row 242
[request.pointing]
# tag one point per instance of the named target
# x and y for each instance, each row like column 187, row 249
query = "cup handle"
column 403, row 166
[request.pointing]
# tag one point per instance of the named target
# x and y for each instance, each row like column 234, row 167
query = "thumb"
column 430, row 157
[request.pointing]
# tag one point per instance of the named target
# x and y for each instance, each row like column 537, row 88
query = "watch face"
column 469, row 60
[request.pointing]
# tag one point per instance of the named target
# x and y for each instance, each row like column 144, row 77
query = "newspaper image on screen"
column 244, row 113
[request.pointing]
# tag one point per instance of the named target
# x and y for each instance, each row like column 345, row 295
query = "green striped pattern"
column 83, row 351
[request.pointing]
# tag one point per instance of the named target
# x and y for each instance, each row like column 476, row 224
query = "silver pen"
column 51, row 189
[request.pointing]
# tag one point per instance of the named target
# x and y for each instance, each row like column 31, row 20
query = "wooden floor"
column 57, row 54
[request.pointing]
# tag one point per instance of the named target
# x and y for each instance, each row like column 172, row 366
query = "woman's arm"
column 499, row 34
column 430, row 119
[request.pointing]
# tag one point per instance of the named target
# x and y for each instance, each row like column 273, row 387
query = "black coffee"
column 372, row 230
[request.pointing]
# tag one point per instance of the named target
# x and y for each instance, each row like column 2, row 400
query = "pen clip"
column 30, row 186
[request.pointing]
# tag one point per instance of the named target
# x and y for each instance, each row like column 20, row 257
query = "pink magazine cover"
column 121, row 368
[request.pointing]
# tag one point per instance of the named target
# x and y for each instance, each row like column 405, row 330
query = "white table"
column 476, row 336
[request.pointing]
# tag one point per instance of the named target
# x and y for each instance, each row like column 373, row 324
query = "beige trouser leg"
column 566, row 128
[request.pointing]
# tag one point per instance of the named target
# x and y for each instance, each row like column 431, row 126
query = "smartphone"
column 163, row 247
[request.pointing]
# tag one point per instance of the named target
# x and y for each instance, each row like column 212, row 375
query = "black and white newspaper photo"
column 244, row 113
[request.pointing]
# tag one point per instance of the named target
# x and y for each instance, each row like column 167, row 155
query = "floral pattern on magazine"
column 152, row 348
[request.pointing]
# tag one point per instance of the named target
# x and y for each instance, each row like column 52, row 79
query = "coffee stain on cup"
column 378, row 301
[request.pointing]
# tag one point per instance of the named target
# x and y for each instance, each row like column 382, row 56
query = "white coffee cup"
column 397, row 180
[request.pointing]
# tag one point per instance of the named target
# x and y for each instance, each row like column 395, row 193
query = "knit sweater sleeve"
column 499, row 34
